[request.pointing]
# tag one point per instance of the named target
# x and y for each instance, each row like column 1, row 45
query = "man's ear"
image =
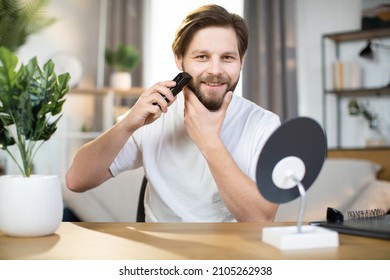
column 179, row 62
column 243, row 61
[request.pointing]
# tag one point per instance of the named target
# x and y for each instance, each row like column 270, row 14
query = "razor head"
column 181, row 80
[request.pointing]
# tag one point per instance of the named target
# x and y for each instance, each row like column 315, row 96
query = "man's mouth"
column 214, row 84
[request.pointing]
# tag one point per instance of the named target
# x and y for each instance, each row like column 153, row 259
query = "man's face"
column 213, row 60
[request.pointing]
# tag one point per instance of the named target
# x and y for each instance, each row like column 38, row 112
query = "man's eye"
column 229, row 58
column 201, row 57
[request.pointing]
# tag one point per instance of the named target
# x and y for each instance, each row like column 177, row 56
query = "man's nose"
column 215, row 66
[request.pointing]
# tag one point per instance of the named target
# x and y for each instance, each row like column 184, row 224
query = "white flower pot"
column 120, row 80
column 30, row 206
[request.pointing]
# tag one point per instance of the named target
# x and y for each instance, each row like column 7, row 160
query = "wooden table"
column 173, row 241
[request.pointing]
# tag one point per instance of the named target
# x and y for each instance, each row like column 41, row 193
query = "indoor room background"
column 82, row 32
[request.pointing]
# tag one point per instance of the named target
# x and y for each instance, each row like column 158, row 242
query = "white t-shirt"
column 181, row 187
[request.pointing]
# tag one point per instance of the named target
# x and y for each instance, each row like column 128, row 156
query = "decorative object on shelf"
column 347, row 75
column 367, row 51
column 376, row 138
column 377, row 16
column 338, row 75
column 355, row 109
column 123, row 61
column 19, row 19
column 31, row 100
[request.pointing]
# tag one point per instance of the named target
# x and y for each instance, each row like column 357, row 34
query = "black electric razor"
column 181, row 80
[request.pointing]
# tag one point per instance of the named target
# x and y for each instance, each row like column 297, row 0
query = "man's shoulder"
column 247, row 107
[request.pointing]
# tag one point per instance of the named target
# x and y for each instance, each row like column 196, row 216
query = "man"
column 199, row 150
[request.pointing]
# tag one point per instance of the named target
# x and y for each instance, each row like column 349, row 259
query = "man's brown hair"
column 208, row 16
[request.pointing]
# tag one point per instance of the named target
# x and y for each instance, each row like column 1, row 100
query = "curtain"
column 124, row 25
column 269, row 74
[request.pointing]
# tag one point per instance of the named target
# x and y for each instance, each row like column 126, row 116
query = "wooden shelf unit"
column 337, row 39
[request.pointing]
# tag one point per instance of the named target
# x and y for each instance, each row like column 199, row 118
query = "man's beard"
column 211, row 100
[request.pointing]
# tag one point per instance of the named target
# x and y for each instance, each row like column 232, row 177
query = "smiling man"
column 199, row 150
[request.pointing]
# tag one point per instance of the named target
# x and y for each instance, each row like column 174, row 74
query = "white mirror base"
column 288, row 238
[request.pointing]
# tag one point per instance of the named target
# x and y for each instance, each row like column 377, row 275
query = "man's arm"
column 90, row 166
column 238, row 191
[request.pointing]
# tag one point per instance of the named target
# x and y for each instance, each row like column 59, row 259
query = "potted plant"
column 376, row 137
column 123, row 59
column 31, row 100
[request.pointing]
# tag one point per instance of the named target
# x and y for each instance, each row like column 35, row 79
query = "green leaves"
column 19, row 19
column 123, row 58
column 31, row 100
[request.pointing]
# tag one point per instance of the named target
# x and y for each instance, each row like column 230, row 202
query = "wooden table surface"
column 173, row 241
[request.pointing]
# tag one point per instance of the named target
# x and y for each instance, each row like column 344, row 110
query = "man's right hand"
column 91, row 164
column 149, row 106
